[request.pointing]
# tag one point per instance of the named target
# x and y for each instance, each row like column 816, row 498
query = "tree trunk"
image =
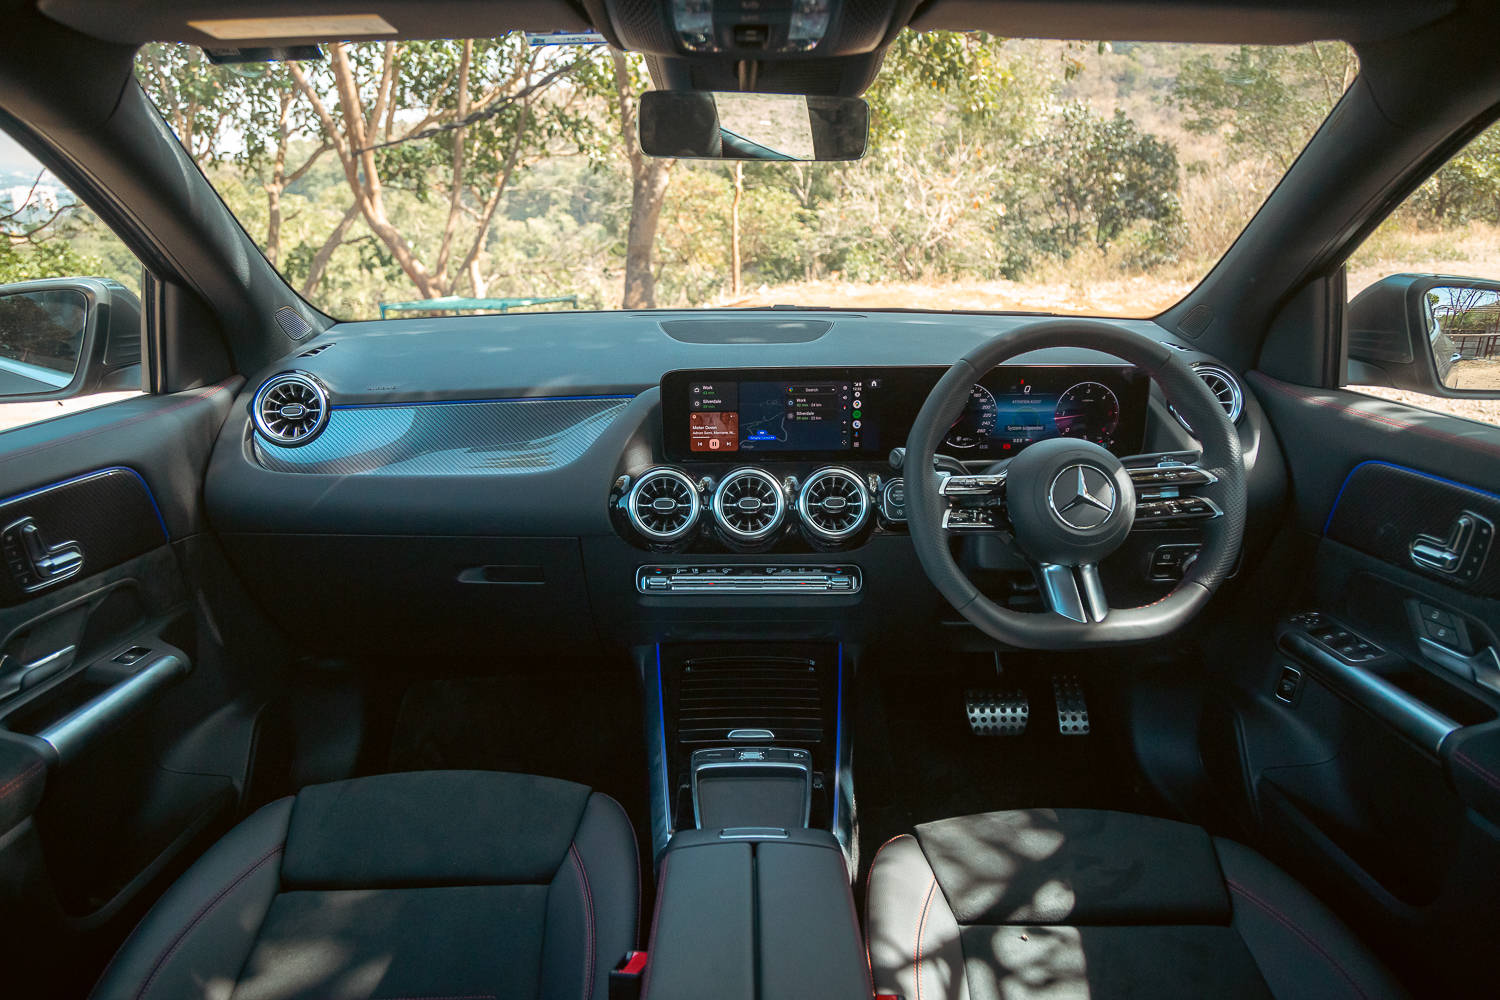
column 734, row 229
column 646, row 197
column 648, row 190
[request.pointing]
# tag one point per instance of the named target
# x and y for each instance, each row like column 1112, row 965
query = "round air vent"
column 663, row 505
column 749, row 505
column 290, row 409
column 1224, row 386
column 834, row 504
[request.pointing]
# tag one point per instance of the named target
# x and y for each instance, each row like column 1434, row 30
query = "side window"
column 70, row 307
column 1435, row 262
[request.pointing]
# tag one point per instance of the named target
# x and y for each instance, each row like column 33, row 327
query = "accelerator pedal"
column 997, row 713
column 1072, row 707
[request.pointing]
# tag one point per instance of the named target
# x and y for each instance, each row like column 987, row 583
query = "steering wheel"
column 1069, row 503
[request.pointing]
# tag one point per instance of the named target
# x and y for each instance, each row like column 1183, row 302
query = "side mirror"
column 66, row 337
column 698, row 125
column 1428, row 333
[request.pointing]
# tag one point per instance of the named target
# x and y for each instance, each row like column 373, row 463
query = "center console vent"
column 834, row 504
column 749, row 505
column 722, row 694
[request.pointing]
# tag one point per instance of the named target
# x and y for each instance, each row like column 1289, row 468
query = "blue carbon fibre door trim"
column 497, row 437
column 1404, row 468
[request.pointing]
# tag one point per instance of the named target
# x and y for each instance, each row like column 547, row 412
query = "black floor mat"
column 916, row 760
column 581, row 725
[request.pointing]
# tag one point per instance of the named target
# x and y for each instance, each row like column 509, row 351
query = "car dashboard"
column 568, row 480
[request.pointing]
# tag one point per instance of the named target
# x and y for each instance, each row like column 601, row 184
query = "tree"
column 649, row 178
column 1266, row 99
column 483, row 109
column 245, row 115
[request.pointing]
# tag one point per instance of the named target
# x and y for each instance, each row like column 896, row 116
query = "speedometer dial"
column 1090, row 411
column 977, row 422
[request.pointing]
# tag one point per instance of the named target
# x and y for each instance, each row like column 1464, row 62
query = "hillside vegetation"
column 1002, row 174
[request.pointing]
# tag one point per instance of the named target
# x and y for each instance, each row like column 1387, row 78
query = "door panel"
column 1389, row 682
column 127, row 733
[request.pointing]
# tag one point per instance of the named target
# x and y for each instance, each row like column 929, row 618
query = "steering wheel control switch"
column 1170, row 563
column 997, row 713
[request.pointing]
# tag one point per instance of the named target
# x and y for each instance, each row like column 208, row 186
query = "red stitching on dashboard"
column 195, row 396
column 1309, row 396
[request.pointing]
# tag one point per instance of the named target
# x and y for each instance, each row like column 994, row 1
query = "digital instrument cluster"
column 849, row 414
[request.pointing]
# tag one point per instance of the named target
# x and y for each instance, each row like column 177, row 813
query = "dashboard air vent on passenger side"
column 1224, row 386
column 290, row 409
column 834, row 504
column 721, row 694
column 749, row 505
column 663, row 505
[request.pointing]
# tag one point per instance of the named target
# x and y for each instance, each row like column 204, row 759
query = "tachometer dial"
column 975, row 425
column 1090, row 411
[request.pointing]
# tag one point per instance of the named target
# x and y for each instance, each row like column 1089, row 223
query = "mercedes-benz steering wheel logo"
column 1082, row 497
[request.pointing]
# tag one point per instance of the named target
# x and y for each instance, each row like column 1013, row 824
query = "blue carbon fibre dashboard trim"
column 489, row 437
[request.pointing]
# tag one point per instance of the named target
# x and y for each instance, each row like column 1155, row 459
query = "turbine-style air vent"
column 290, row 409
column 1224, row 386
column 663, row 505
column 834, row 504
column 749, row 505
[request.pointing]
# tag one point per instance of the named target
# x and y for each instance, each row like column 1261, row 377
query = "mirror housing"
column 1406, row 332
column 105, row 343
column 703, row 125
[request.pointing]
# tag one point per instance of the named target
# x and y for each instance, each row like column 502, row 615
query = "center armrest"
column 755, row 914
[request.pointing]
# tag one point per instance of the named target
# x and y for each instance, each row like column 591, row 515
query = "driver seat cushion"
column 469, row 884
column 1082, row 903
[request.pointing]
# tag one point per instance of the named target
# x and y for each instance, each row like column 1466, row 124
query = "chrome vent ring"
column 663, row 505
column 834, row 504
column 749, row 505
column 290, row 409
column 1225, row 387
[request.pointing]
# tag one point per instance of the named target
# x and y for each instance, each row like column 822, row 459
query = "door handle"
column 1461, row 553
column 33, row 563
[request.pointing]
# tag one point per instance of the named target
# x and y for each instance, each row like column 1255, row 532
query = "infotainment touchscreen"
column 863, row 413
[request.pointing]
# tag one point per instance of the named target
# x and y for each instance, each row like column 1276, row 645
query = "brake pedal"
column 1072, row 707
column 997, row 713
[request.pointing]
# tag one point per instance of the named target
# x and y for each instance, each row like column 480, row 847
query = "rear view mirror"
column 66, row 337
column 738, row 126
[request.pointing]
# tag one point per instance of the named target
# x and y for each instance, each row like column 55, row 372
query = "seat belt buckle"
column 626, row 977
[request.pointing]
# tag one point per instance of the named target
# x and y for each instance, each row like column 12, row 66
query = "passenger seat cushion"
column 1081, row 866
column 423, row 884
column 1088, row 904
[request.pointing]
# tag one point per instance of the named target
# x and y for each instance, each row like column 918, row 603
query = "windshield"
column 393, row 179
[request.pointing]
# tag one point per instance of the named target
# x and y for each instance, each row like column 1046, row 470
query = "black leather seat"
column 428, row 884
column 1085, row 903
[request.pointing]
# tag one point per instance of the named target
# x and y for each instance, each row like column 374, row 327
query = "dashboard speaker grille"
column 1226, row 389
column 663, row 505
column 290, row 409
column 749, row 504
column 834, row 503
column 719, row 695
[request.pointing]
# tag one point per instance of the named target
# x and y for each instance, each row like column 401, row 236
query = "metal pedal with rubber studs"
column 1072, row 707
column 997, row 713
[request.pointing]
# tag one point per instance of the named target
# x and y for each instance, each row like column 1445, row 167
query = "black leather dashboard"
column 554, row 561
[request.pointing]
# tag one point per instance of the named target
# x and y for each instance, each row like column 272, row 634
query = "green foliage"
column 1267, row 100
column 1466, row 188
